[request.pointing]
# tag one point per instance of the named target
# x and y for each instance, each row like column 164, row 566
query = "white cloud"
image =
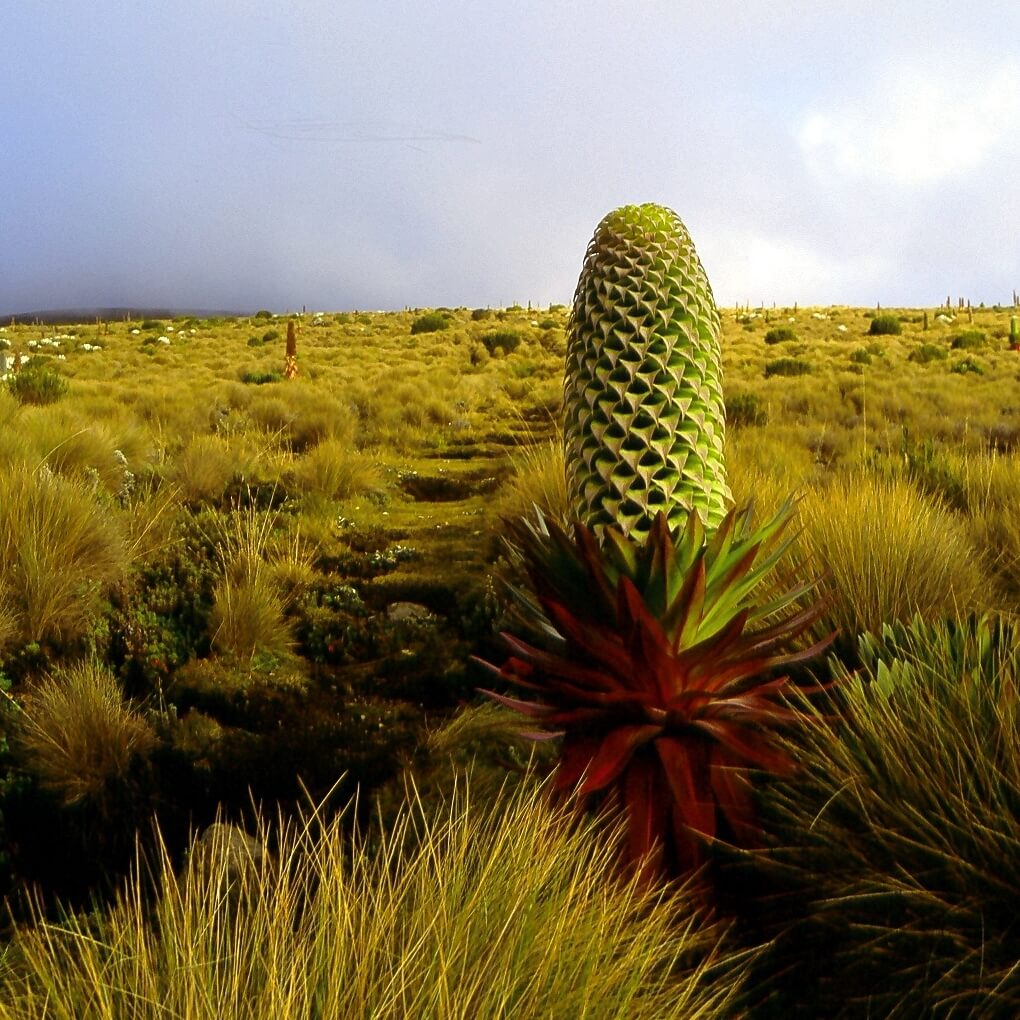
column 745, row 267
column 917, row 126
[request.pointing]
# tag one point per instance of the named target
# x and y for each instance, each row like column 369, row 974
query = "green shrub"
column 779, row 335
column 885, row 325
column 430, row 322
column 253, row 341
column 260, row 378
column 927, row 353
column 153, row 324
column 787, row 366
column 972, row 340
column 861, row 357
column 507, row 340
column 548, row 324
column 37, row 383
column 967, row 365
column 262, row 314
column 270, row 335
column 481, row 313
column 745, row 409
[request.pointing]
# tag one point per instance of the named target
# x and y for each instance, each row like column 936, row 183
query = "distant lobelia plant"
column 635, row 643
column 290, row 370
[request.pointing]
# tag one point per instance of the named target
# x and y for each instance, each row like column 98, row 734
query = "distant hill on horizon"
column 62, row 316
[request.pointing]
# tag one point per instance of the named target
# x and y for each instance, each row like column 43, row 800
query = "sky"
column 379, row 154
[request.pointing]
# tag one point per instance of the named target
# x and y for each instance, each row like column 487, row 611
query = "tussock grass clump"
column 70, row 445
column 204, row 468
column 250, row 601
column 334, row 470
column 504, row 910
column 992, row 489
column 59, row 549
column 890, row 552
column 78, row 736
column 539, row 479
column 897, row 835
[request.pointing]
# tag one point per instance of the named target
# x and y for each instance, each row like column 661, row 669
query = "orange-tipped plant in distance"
column 290, row 370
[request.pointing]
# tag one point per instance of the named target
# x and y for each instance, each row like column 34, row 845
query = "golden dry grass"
column 890, row 552
column 498, row 911
column 78, row 736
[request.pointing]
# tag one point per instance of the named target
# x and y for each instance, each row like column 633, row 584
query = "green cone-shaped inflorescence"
column 643, row 403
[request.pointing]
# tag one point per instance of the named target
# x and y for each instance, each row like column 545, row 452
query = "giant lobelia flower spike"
column 643, row 405
column 643, row 642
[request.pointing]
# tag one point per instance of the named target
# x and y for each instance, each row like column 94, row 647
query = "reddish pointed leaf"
column 732, row 791
column 647, row 815
column 527, row 708
column 614, row 755
column 747, row 745
column 558, row 665
column 575, row 758
column 685, row 766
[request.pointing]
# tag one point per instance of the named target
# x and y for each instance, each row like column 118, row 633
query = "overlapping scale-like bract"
column 643, row 404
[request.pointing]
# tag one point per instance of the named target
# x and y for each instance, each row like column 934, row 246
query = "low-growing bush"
column 927, row 353
column 745, row 409
column 481, row 313
column 967, row 365
column 430, row 322
column 786, row 366
column 38, row 384
column 779, row 335
column 885, row 325
column 972, row 340
column 860, row 357
column 260, row 378
column 506, row 340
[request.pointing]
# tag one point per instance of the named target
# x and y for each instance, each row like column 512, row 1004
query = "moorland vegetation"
column 230, row 594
